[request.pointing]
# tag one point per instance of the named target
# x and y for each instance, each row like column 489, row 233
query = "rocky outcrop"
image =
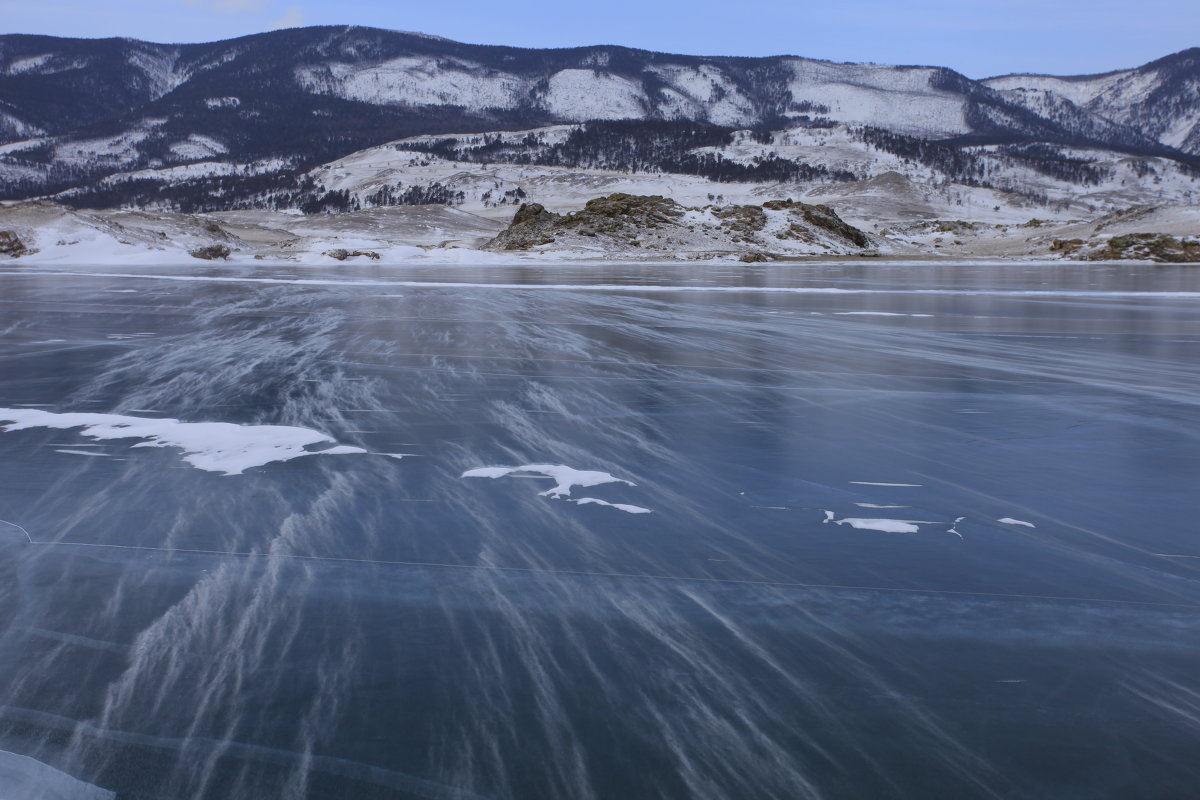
column 212, row 252
column 341, row 254
column 821, row 217
column 11, row 245
column 652, row 225
column 1133, row 246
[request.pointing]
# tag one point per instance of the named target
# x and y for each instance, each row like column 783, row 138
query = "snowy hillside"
column 481, row 173
column 1161, row 100
column 888, row 216
column 116, row 122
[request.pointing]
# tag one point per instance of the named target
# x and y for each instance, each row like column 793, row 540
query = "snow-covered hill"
column 228, row 123
column 489, row 178
column 1160, row 100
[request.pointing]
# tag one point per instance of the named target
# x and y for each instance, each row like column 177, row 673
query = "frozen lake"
column 784, row 531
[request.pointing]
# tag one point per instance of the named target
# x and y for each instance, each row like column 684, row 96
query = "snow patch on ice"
column 83, row 453
column 211, row 446
column 954, row 527
column 566, row 478
column 583, row 501
column 876, row 314
column 873, row 483
column 882, row 525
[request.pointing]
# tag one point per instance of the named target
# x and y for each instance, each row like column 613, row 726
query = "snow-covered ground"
column 57, row 235
column 442, row 235
column 904, row 204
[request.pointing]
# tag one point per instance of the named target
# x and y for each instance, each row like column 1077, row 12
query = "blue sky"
column 976, row 37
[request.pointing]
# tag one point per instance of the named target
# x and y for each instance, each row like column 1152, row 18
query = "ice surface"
column 471, row 256
column 1011, row 521
column 740, row 654
column 25, row 778
column 212, row 446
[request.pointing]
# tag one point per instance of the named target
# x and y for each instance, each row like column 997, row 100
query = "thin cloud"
column 293, row 17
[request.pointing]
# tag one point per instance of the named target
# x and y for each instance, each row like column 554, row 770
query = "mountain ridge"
column 76, row 112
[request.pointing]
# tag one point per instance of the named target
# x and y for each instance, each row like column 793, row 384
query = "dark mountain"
column 74, row 111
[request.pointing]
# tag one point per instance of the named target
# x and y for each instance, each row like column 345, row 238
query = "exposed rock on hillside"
column 1140, row 246
column 341, row 254
column 656, row 225
column 212, row 252
column 11, row 245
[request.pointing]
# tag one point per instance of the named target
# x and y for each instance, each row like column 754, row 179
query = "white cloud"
column 293, row 17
